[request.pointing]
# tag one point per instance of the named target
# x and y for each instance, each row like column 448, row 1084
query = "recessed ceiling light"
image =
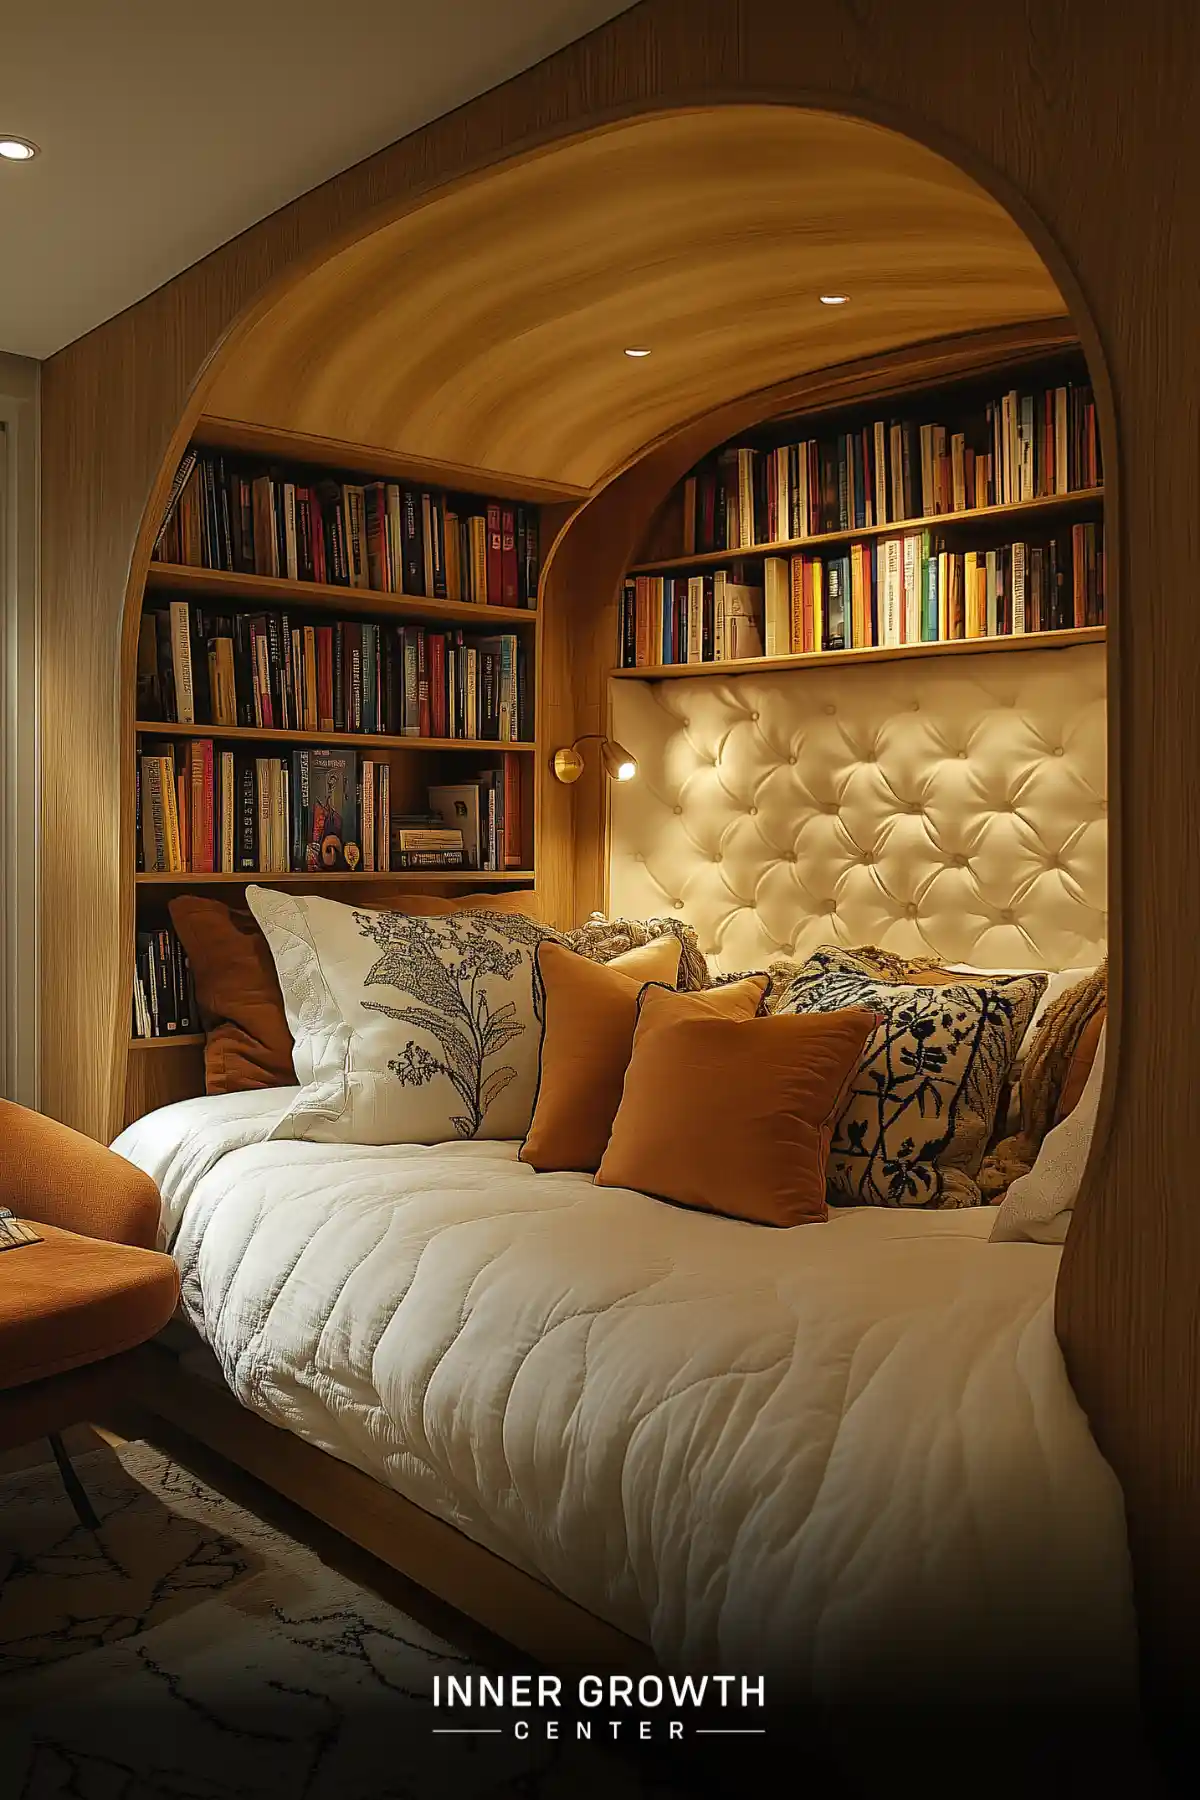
column 834, row 299
column 637, row 353
column 17, row 149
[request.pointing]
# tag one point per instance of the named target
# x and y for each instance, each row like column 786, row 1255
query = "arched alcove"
column 119, row 406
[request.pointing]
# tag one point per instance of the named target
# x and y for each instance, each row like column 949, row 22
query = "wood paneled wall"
column 1080, row 118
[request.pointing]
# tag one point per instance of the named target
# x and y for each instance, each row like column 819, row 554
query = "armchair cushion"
column 59, row 1177
column 73, row 1300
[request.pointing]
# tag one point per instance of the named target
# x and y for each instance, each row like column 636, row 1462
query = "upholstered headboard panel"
column 950, row 806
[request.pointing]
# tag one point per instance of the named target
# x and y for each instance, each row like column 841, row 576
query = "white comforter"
column 845, row 1455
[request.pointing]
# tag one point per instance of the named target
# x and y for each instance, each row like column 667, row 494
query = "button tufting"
column 1058, row 750
column 916, row 706
column 678, row 905
column 962, row 756
column 717, row 856
column 910, row 911
column 960, row 862
column 754, row 715
column 1006, row 915
column 829, row 709
column 752, row 812
column 793, row 760
column 639, row 857
column 677, row 811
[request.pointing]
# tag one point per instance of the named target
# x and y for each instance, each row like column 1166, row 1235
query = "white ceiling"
column 166, row 128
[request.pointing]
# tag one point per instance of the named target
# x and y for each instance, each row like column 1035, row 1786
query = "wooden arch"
column 991, row 90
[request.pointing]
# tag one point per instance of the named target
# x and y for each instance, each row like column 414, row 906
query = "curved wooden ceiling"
column 488, row 326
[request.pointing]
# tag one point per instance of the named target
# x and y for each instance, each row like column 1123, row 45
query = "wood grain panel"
column 1080, row 119
column 706, row 235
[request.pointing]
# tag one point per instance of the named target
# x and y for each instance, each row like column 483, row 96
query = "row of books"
column 202, row 809
column 911, row 588
column 1022, row 447
column 265, row 671
column 395, row 538
column 164, row 1001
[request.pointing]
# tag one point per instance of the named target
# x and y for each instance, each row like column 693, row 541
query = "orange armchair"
column 76, row 1308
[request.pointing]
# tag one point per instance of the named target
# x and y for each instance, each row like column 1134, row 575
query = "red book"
column 508, row 556
column 436, row 653
column 495, row 555
column 423, row 709
column 324, row 677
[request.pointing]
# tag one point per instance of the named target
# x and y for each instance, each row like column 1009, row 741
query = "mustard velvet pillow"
column 589, row 1011
column 733, row 1116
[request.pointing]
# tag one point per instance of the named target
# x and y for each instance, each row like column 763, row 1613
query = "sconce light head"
column 568, row 764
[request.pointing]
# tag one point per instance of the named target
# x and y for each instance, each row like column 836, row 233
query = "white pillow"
column 405, row 1030
column 1037, row 1207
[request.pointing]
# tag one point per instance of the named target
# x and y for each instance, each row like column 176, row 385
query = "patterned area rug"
column 188, row 1650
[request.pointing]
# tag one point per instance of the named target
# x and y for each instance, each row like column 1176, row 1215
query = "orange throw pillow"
column 734, row 1116
column 247, row 1041
column 1086, row 1045
column 589, row 1012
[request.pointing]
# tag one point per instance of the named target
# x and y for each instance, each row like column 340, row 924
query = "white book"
column 458, row 804
column 695, row 631
column 367, row 816
column 891, row 591
column 719, row 616
column 993, row 622
column 383, row 836
column 743, row 620
column 181, row 663
column 910, row 626
column 1018, row 589
column 777, row 606
column 943, row 589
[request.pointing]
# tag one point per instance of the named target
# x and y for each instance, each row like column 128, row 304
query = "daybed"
column 847, row 1457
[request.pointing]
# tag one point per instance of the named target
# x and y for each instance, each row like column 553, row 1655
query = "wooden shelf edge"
column 182, row 578
column 279, row 441
column 247, row 734
column 813, row 659
column 1017, row 509
column 404, row 877
column 190, row 1040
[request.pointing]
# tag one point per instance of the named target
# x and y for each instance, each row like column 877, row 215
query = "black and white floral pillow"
column 407, row 1030
column 916, row 1121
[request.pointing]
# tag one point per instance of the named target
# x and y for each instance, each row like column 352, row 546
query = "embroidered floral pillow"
column 920, row 1108
column 406, row 1030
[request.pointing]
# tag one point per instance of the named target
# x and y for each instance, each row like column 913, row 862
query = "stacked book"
column 164, row 1004
column 1016, row 447
column 894, row 590
column 270, row 672
column 204, row 809
column 389, row 536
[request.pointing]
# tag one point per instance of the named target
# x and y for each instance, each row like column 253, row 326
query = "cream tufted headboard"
column 950, row 806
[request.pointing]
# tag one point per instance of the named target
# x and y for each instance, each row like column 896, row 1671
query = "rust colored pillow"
column 1081, row 1065
column 734, row 1116
column 589, row 1014
column 247, row 1041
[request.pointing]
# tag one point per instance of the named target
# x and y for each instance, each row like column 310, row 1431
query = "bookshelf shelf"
column 211, row 585
column 1050, row 506
column 369, row 740
column 188, row 1040
column 275, row 444
column 1030, row 640
column 475, row 878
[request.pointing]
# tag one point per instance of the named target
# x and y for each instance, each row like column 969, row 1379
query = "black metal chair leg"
column 84, row 1510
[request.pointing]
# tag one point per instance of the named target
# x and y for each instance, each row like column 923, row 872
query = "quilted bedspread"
column 846, row 1455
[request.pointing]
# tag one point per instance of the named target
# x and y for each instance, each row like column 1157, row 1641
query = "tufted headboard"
column 950, row 806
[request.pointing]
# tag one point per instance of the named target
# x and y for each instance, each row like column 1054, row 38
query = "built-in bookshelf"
column 336, row 688
column 967, row 517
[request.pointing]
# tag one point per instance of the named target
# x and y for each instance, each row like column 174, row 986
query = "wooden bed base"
column 527, row 1614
